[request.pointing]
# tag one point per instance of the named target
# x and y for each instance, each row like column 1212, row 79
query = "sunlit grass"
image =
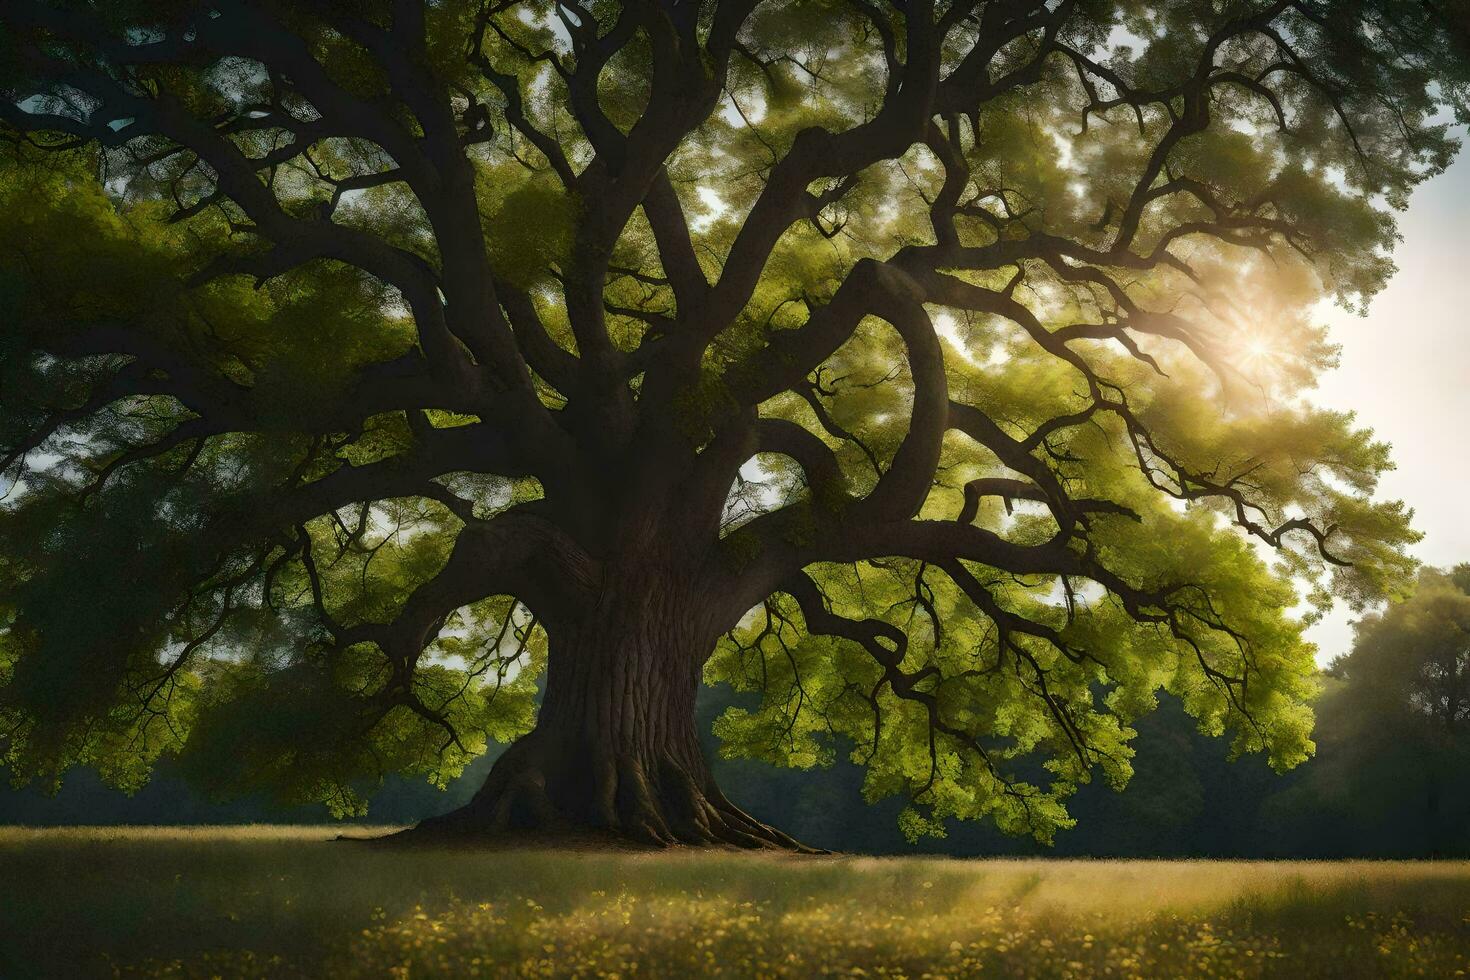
column 248, row 901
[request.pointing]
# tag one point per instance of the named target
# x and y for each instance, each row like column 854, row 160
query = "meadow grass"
column 289, row 902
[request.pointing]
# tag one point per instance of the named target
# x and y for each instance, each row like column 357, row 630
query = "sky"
column 1406, row 372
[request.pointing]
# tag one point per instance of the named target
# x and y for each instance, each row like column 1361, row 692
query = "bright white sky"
column 1406, row 372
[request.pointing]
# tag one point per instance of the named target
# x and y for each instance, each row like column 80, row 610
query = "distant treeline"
column 1369, row 793
column 1388, row 780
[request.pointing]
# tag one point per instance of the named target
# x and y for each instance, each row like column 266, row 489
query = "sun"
column 1259, row 351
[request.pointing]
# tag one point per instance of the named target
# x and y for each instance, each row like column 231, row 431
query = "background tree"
column 1410, row 664
column 1394, row 740
column 361, row 359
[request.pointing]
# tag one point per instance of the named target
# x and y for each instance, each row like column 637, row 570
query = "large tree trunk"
column 615, row 756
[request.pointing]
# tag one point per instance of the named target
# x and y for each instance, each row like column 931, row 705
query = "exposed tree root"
column 602, row 803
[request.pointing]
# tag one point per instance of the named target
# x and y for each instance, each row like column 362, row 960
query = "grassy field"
column 254, row 901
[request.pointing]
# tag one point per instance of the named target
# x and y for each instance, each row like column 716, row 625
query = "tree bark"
column 615, row 757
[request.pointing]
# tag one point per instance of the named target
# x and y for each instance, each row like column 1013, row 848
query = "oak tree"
column 932, row 370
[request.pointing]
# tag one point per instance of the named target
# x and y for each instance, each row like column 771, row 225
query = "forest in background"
column 1387, row 779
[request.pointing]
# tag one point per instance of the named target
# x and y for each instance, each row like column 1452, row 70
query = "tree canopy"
column 1411, row 662
column 938, row 366
column 1389, row 779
